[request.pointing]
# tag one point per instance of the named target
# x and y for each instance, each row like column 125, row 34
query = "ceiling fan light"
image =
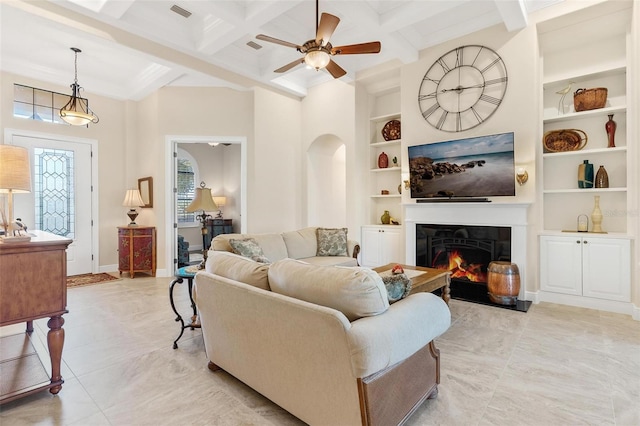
column 317, row 59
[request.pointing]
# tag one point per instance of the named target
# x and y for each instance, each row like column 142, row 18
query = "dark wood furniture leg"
column 55, row 342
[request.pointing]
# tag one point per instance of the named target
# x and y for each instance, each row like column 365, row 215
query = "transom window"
column 38, row 104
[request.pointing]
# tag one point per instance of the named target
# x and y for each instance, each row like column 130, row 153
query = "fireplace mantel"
column 513, row 215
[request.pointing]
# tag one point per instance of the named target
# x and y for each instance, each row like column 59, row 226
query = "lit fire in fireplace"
column 461, row 270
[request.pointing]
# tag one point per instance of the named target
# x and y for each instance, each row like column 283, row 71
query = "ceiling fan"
column 318, row 52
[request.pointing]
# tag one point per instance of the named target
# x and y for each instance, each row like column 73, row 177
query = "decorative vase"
column 383, row 161
column 585, row 175
column 610, row 127
column 602, row 178
column 385, row 218
column 596, row 215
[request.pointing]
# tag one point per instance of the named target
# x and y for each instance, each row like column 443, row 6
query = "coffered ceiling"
column 130, row 48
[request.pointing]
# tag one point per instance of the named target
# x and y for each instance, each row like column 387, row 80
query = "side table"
column 188, row 273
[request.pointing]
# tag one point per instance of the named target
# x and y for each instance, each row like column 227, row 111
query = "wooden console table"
column 33, row 286
column 431, row 279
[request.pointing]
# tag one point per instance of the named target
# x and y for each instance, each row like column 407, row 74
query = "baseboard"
column 626, row 308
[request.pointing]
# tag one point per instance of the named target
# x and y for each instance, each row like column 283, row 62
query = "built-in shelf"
column 585, row 114
column 584, row 152
column 386, row 143
column 385, row 117
column 387, row 196
column 593, row 73
column 582, row 190
column 388, row 169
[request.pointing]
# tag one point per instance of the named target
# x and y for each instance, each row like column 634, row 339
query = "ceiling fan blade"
column 355, row 49
column 326, row 27
column 335, row 70
column 277, row 41
column 290, row 65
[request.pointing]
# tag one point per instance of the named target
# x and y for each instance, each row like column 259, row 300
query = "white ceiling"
column 130, row 48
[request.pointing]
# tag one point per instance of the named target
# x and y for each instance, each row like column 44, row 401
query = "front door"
column 60, row 201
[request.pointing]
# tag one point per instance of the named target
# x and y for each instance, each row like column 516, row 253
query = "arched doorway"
column 326, row 182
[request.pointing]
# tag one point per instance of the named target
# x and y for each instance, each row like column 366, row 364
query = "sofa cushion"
column 301, row 243
column 356, row 292
column 248, row 247
column 332, row 242
column 238, row 268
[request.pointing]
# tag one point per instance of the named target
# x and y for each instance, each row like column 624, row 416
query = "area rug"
column 88, row 279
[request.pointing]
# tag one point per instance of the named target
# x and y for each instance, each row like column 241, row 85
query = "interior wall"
column 326, row 183
column 518, row 113
column 329, row 110
column 274, row 165
column 113, row 151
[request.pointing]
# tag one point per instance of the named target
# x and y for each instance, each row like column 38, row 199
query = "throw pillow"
column 248, row 247
column 332, row 242
column 398, row 286
column 356, row 292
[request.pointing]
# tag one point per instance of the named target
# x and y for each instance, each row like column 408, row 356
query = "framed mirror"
column 145, row 186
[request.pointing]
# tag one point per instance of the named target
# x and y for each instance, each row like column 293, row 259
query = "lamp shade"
column 15, row 173
column 132, row 198
column 220, row 201
column 202, row 201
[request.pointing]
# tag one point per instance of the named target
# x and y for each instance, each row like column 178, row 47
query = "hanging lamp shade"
column 76, row 112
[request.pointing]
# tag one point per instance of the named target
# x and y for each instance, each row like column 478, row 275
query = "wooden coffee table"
column 431, row 279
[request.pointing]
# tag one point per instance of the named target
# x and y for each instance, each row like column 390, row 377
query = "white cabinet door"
column 370, row 246
column 606, row 268
column 391, row 246
column 561, row 264
column 381, row 245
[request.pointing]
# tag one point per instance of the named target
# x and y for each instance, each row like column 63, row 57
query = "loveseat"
column 322, row 342
column 301, row 244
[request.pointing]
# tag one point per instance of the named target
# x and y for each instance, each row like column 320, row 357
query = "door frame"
column 95, row 217
column 171, row 145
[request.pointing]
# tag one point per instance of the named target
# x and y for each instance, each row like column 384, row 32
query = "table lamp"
column 15, row 177
column 220, row 202
column 132, row 199
column 203, row 202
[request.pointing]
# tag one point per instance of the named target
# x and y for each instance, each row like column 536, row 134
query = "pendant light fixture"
column 76, row 112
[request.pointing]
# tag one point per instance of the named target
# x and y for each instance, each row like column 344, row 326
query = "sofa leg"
column 434, row 394
column 213, row 367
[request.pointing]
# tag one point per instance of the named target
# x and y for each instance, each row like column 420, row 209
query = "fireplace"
column 464, row 240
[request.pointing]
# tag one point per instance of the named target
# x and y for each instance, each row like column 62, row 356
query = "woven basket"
column 586, row 99
column 564, row 140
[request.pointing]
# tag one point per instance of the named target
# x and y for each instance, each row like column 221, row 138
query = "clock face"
column 463, row 88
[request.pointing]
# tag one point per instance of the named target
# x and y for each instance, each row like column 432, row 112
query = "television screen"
column 481, row 166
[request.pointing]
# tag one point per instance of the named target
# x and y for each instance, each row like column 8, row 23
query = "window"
column 53, row 187
column 38, row 104
column 186, row 181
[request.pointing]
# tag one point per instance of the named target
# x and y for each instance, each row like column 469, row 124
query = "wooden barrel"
column 503, row 282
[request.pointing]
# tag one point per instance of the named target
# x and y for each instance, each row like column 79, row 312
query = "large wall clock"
column 463, row 88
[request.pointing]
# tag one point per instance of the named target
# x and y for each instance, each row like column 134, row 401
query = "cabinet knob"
column 577, row 241
column 585, row 242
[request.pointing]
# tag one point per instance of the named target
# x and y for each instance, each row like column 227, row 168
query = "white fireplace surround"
column 512, row 215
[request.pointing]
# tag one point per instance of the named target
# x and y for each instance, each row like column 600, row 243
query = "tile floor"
column 554, row 365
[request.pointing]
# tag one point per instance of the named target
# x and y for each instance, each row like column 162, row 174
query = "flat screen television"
column 481, row 166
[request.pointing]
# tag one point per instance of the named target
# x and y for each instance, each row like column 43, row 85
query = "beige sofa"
column 301, row 244
column 323, row 343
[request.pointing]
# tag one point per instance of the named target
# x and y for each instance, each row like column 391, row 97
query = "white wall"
column 329, row 109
